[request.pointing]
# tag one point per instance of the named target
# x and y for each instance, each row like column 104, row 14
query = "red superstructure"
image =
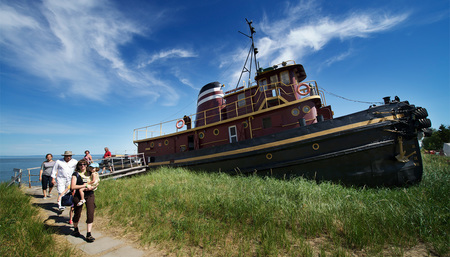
column 279, row 101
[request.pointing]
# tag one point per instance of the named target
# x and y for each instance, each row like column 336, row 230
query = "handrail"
column 17, row 177
column 255, row 100
column 117, row 162
column 124, row 161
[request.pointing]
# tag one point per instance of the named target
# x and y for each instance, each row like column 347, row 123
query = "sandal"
column 81, row 202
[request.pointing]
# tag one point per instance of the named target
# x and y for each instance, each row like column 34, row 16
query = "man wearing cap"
column 62, row 172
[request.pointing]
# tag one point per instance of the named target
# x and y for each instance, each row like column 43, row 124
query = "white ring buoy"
column 180, row 124
column 301, row 90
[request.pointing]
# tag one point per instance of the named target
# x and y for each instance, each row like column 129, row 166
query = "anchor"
column 402, row 157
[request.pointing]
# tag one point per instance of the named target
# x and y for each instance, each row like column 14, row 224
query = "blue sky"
column 77, row 75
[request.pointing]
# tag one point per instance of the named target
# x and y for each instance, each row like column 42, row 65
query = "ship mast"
column 251, row 54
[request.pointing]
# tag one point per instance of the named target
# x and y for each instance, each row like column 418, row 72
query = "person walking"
column 78, row 183
column 45, row 175
column 106, row 163
column 62, row 174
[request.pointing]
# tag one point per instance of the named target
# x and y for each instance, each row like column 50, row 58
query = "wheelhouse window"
column 263, row 85
column 285, row 78
column 241, row 100
column 232, row 132
column 273, row 82
column 273, row 79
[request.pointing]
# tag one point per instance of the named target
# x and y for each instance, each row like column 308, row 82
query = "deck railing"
column 116, row 162
column 119, row 162
column 258, row 99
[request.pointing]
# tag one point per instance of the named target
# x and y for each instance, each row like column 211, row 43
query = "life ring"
column 300, row 90
column 180, row 124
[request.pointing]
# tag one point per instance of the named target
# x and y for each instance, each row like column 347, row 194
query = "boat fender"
column 303, row 89
column 180, row 123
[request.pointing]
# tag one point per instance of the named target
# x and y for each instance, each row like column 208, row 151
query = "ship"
column 280, row 126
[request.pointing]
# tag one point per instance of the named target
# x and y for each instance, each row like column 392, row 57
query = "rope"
column 357, row 101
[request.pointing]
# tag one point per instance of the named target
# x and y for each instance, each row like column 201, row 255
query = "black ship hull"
column 375, row 147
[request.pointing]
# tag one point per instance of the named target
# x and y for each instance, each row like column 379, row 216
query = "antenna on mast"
column 251, row 53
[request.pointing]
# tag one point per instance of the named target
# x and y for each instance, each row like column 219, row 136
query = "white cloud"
column 304, row 29
column 173, row 53
column 336, row 58
column 11, row 19
column 302, row 38
column 184, row 80
column 75, row 46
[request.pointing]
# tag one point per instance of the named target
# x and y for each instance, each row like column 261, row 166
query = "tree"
column 437, row 139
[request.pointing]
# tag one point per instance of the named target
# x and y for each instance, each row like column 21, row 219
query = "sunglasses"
column 82, row 164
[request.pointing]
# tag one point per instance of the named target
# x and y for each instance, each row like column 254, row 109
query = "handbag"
column 67, row 199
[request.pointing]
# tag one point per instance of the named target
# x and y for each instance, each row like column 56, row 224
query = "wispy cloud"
column 302, row 37
column 336, row 58
column 75, row 46
column 166, row 54
column 304, row 30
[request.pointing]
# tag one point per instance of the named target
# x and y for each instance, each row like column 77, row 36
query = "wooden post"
column 20, row 177
column 29, row 178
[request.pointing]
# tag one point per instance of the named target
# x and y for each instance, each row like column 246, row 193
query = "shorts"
column 62, row 184
column 46, row 181
column 106, row 164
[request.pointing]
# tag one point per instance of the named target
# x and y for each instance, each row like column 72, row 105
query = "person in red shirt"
column 106, row 162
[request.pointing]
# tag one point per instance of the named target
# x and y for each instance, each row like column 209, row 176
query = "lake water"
column 8, row 163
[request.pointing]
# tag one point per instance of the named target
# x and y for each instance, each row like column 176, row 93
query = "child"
column 92, row 179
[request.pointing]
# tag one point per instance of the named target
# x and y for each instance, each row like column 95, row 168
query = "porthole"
column 245, row 124
column 201, row 135
column 166, row 142
column 269, row 156
column 315, row 146
column 295, row 112
column 216, row 132
column 306, row 109
column 152, row 144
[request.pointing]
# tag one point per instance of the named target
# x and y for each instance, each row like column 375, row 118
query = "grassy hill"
column 199, row 214
column 217, row 214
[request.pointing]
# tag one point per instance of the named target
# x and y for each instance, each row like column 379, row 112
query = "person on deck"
column 106, row 163
column 62, row 175
column 88, row 156
column 45, row 175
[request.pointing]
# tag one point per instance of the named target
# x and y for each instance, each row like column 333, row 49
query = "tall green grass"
column 21, row 231
column 216, row 214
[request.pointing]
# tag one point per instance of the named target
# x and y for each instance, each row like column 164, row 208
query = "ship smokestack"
column 210, row 102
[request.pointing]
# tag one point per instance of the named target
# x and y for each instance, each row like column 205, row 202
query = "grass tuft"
column 21, row 232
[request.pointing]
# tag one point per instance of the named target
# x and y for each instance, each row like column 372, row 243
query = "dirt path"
column 107, row 242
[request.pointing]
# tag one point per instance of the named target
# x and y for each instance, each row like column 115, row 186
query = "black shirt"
column 80, row 182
